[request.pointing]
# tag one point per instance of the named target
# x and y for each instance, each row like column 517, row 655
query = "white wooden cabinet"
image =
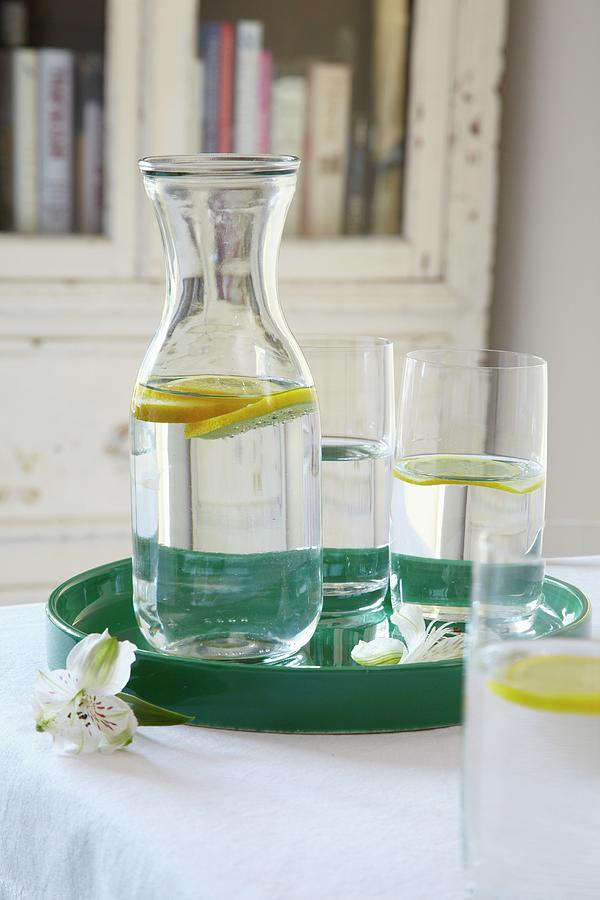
column 76, row 312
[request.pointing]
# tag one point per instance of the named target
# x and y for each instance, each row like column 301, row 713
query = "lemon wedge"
column 213, row 406
column 517, row 476
column 558, row 683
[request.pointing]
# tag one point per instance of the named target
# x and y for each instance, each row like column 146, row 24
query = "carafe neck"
column 221, row 225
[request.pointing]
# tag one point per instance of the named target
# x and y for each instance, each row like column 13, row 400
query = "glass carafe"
column 224, row 426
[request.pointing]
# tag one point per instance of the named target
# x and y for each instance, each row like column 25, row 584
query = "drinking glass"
column 531, row 762
column 470, row 455
column 354, row 379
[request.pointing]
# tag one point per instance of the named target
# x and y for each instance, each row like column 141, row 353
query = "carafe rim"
column 216, row 164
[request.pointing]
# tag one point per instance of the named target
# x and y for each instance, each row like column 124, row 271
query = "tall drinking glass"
column 531, row 763
column 470, row 456
column 354, row 378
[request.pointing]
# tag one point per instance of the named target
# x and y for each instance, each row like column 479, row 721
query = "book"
column 25, row 139
column 6, row 140
column 13, row 23
column 89, row 122
column 249, row 37
column 226, row 86
column 356, row 200
column 264, row 101
column 55, row 140
column 327, row 140
column 288, row 128
column 210, row 41
column 198, row 75
column 390, row 49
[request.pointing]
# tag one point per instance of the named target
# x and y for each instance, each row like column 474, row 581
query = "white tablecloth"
column 196, row 814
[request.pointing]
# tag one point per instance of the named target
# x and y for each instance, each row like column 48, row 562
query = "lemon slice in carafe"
column 212, row 406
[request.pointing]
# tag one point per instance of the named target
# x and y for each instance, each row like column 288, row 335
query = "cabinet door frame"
column 62, row 299
column 450, row 180
column 112, row 254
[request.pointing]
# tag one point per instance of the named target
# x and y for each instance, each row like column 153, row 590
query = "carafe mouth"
column 216, row 164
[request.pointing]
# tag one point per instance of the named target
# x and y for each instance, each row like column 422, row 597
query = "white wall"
column 547, row 297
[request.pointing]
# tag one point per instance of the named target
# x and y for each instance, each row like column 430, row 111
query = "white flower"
column 419, row 644
column 426, row 644
column 77, row 705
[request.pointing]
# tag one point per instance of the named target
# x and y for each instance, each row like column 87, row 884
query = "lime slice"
column 558, row 683
column 517, row 476
column 213, row 406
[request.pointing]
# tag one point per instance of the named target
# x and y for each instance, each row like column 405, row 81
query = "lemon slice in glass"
column 558, row 683
column 517, row 476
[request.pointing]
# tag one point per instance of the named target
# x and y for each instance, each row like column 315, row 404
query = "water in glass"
column 355, row 490
column 532, row 774
column 441, row 507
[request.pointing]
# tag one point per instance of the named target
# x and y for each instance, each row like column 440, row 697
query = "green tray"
column 320, row 690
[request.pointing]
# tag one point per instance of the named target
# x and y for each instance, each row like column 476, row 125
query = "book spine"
column 329, row 97
column 25, row 126
column 90, row 158
column 210, row 54
column 226, row 86
column 249, row 38
column 288, row 130
column 356, row 208
column 13, row 23
column 6, row 141
column 199, row 91
column 390, row 49
column 55, row 132
column 264, row 101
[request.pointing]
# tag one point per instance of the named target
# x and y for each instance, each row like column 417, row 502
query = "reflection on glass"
column 326, row 82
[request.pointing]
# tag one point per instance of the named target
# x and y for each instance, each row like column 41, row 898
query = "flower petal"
column 90, row 723
column 53, row 690
column 410, row 622
column 44, row 717
column 116, row 721
column 71, row 738
column 384, row 651
column 102, row 663
column 70, row 734
column 440, row 643
column 77, row 658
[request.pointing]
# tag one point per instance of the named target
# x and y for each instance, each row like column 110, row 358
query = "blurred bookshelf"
column 70, row 86
column 51, row 116
column 326, row 82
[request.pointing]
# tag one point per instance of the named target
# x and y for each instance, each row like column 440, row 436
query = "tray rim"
column 232, row 665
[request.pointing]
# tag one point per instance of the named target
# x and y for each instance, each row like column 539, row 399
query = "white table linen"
column 199, row 814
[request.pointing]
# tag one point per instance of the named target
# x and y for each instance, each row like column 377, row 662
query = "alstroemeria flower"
column 77, row 705
column 419, row 644
column 424, row 644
